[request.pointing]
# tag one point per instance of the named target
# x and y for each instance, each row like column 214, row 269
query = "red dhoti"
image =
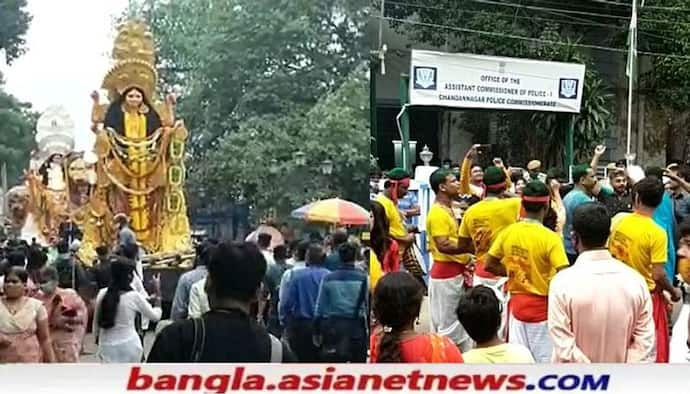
column 660, row 316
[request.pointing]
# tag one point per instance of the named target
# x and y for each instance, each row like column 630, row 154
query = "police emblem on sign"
column 425, row 78
column 568, row 88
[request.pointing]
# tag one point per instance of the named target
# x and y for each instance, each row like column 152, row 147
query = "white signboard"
column 461, row 80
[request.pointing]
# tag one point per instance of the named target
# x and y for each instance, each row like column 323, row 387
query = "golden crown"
column 131, row 73
column 134, row 58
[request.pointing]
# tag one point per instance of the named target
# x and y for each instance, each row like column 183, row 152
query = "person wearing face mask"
column 67, row 315
column 397, row 186
column 24, row 329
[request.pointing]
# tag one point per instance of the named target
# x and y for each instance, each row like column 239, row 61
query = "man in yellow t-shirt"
column 397, row 186
column 448, row 276
column 640, row 243
column 529, row 254
column 483, row 221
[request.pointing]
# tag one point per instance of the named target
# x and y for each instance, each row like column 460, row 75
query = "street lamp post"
column 300, row 158
column 327, row 167
column 426, row 155
column 273, row 167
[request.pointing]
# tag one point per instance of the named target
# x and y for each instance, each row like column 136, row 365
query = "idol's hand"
column 170, row 99
column 95, row 97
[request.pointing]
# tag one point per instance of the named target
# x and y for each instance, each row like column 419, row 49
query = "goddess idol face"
column 134, row 98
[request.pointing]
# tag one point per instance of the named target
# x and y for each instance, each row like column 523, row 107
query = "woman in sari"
column 386, row 252
column 24, row 332
column 67, row 315
column 133, row 117
column 397, row 303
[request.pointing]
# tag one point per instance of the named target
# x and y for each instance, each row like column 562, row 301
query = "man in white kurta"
column 600, row 310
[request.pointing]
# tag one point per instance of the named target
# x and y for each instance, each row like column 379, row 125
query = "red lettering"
column 311, row 382
column 429, row 382
column 254, row 382
column 166, row 382
column 394, row 382
column 195, row 380
column 375, row 379
column 516, row 382
column 237, row 378
column 139, row 381
column 217, row 383
column 460, row 382
column 413, row 379
column 494, row 382
column 344, row 382
column 289, row 382
column 327, row 379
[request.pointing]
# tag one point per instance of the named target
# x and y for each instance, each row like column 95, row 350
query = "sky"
column 68, row 47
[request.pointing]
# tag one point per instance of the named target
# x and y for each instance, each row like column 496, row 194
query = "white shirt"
column 285, row 281
column 131, row 303
column 268, row 255
column 600, row 311
column 198, row 300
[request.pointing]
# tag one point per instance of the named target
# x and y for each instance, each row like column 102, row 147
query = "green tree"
column 14, row 22
column 16, row 118
column 665, row 80
column 16, row 135
column 259, row 81
column 258, row 161
column 234, row 60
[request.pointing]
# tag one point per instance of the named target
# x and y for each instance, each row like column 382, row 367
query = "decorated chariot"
column 136, row 167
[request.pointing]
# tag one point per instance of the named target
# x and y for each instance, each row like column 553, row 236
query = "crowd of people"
column 306, row 301
column 303, row 302
column 50, row 301
column 530, row 268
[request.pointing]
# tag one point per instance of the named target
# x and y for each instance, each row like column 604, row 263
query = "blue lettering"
column 569, row 382
column 543, row 382
column 591, row 383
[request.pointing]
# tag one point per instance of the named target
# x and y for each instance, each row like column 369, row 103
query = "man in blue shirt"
column 585, row 180
column 409, row 206
column 333, row 260
column 342, row 310
column 664, row 216
column 184, row 284
column 299, row 305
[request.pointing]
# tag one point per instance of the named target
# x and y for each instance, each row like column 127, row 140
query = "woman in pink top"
column 24, row 332
column 67, row 315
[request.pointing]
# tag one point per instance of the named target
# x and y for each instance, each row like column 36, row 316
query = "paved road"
column 424, row 324
column 90, row 348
